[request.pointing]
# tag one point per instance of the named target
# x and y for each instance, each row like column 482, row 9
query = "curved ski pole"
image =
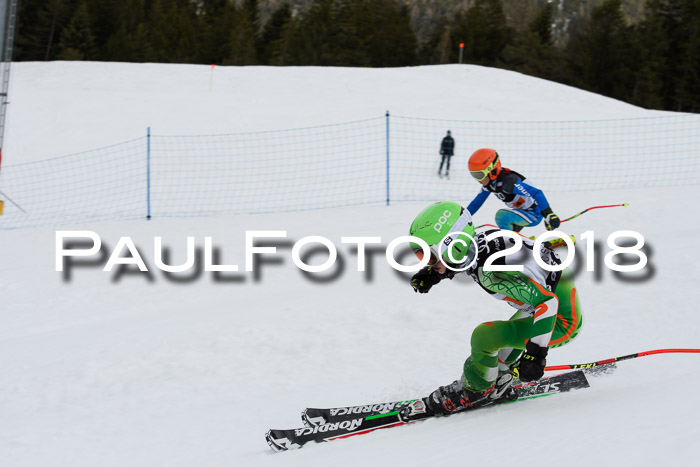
column 594, row 207
column 618, row 359
column 574, row 216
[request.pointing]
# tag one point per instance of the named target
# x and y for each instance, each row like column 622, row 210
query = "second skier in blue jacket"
column 527, row 204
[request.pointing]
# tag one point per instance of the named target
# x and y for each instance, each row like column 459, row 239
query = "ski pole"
column 10, row 200
column 575, row 215
column 594, row 207
column 618, row 359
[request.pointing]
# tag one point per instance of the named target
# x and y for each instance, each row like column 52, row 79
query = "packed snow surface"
column 144, row 369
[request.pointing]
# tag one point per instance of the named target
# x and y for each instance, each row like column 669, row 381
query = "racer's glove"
column 427, row 277
column 551, row 220
column 532, row 362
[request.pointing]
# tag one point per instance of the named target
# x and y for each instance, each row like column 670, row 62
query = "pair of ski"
column 342, row 422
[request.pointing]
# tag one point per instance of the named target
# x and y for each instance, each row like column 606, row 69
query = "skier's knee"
column 503, row 219
column 485, row 338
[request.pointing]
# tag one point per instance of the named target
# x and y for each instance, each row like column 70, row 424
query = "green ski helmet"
column 441, row 225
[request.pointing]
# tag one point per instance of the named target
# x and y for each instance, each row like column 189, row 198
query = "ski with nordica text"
column 314, row 416
column 352, row 424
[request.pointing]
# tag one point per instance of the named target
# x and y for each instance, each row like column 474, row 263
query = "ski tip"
column 272, row 442
column 305, row 418
column 282, row 440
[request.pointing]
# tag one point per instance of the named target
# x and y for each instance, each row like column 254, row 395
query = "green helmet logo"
column 448, row 229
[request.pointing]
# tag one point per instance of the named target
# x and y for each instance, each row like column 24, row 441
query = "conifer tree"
column 273, row 31
column 215, row 19
column 687, row 82
column 542, row 25
column 284, row 50
column 40, row 23
column 533, row 52
column 130, row 41
column 436, row 50
column 603, row 53
column 315, row 34
column 242, row 49
column 77, row 41
column 483, row 30
column 652, row 41
column 389, row 39
column 106, row 16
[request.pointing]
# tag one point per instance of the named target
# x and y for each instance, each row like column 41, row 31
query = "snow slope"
column 145, row 370
column 67, row 107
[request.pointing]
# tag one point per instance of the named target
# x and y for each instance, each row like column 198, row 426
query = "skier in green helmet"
column 548, row 311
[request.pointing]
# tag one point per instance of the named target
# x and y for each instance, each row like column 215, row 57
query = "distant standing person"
column 447, row 150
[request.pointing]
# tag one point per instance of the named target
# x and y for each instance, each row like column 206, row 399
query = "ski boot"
column 440, row 173
column 446, row 400
column 452, row 398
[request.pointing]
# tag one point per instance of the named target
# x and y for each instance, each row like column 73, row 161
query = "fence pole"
column 387, row 158
column 148, row 174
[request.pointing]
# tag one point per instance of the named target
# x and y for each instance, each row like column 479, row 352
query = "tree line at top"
column 653, row 63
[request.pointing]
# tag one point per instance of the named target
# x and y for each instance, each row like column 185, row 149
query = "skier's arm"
column 426, row 278
column 525, row 189
column 551, row 220
column 478, row 201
